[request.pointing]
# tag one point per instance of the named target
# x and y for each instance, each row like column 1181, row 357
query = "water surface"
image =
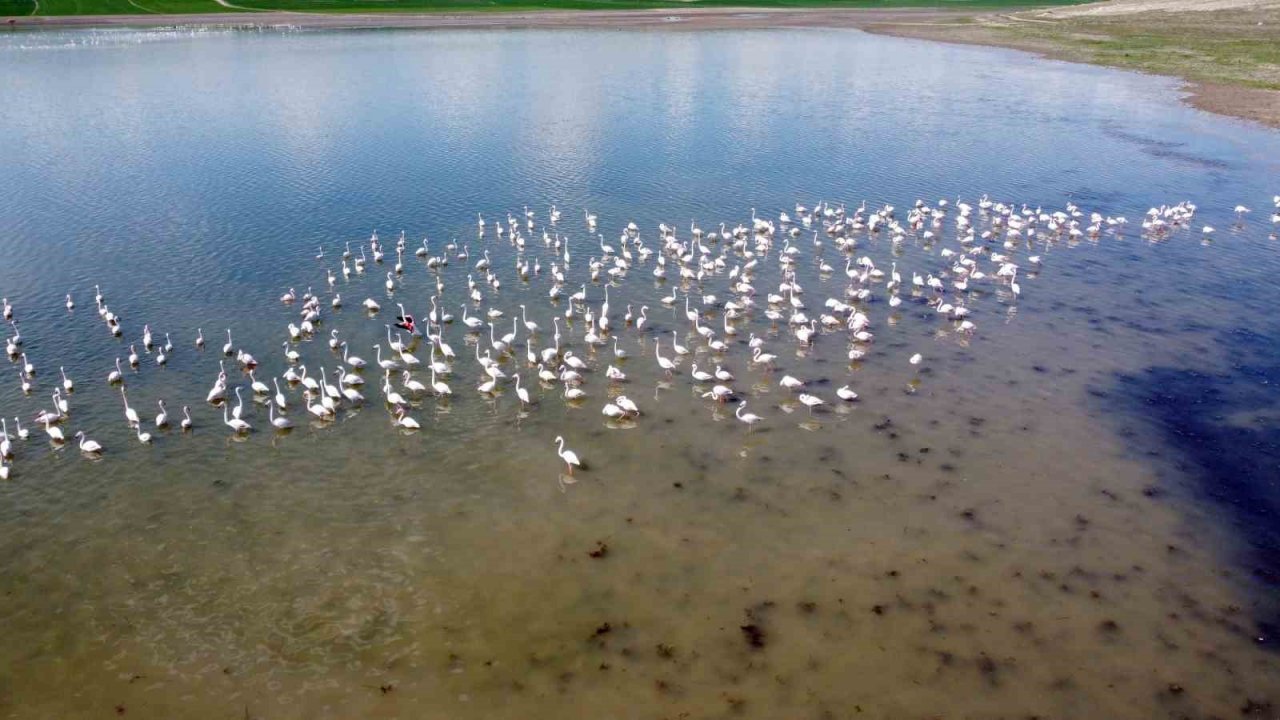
column 1012, row 529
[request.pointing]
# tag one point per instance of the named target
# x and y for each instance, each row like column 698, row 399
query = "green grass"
column 120, row 7
column 176, row 7
column 108, row 7
column 1232, row 47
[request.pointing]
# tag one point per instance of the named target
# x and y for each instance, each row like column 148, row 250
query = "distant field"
column 107, row 7
column 132, row 7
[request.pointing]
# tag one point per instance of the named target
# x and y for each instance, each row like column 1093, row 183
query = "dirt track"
column 1133, row 7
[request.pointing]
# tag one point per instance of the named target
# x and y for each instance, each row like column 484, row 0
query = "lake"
column 1065, row 511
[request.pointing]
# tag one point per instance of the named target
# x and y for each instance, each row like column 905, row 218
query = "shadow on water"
column 1225, row 431
column 1176, row 151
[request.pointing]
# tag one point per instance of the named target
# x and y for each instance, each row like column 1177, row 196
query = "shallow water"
column 1022, row 526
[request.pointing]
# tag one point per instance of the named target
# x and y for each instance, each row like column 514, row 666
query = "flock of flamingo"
column 711, row 280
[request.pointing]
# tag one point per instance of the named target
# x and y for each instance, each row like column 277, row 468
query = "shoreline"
column 957, row 26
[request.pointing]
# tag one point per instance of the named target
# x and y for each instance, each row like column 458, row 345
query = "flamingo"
column 532, row 327
column 236, row 424
column 442, row 388
column 385, row 364
column 54, row 433
column 87, row 446
column 281, row 422
column 676, row 346
column 404, row 421
column 749, row 418
column 410, row 384
column 762, row 358
column 130, row 414
column 259, row 387
column 522, row 393
column 569, row 457
column 664, row 363
column 810, row 401
column 351, row 360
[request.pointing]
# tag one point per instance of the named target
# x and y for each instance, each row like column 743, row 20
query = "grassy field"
column 1236, row 47
column 107, row 7
column 129, row 7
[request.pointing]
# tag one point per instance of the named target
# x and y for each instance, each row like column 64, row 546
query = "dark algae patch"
column 754, row 635
column 1223, row 432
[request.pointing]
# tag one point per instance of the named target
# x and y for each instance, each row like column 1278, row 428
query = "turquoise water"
column 1004, row 529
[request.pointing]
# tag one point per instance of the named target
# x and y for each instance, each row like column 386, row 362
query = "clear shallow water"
column 1007, row 532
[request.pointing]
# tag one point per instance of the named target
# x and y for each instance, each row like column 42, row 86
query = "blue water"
column 350, row 570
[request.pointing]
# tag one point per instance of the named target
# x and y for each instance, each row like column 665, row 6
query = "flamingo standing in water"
column 569, row 457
